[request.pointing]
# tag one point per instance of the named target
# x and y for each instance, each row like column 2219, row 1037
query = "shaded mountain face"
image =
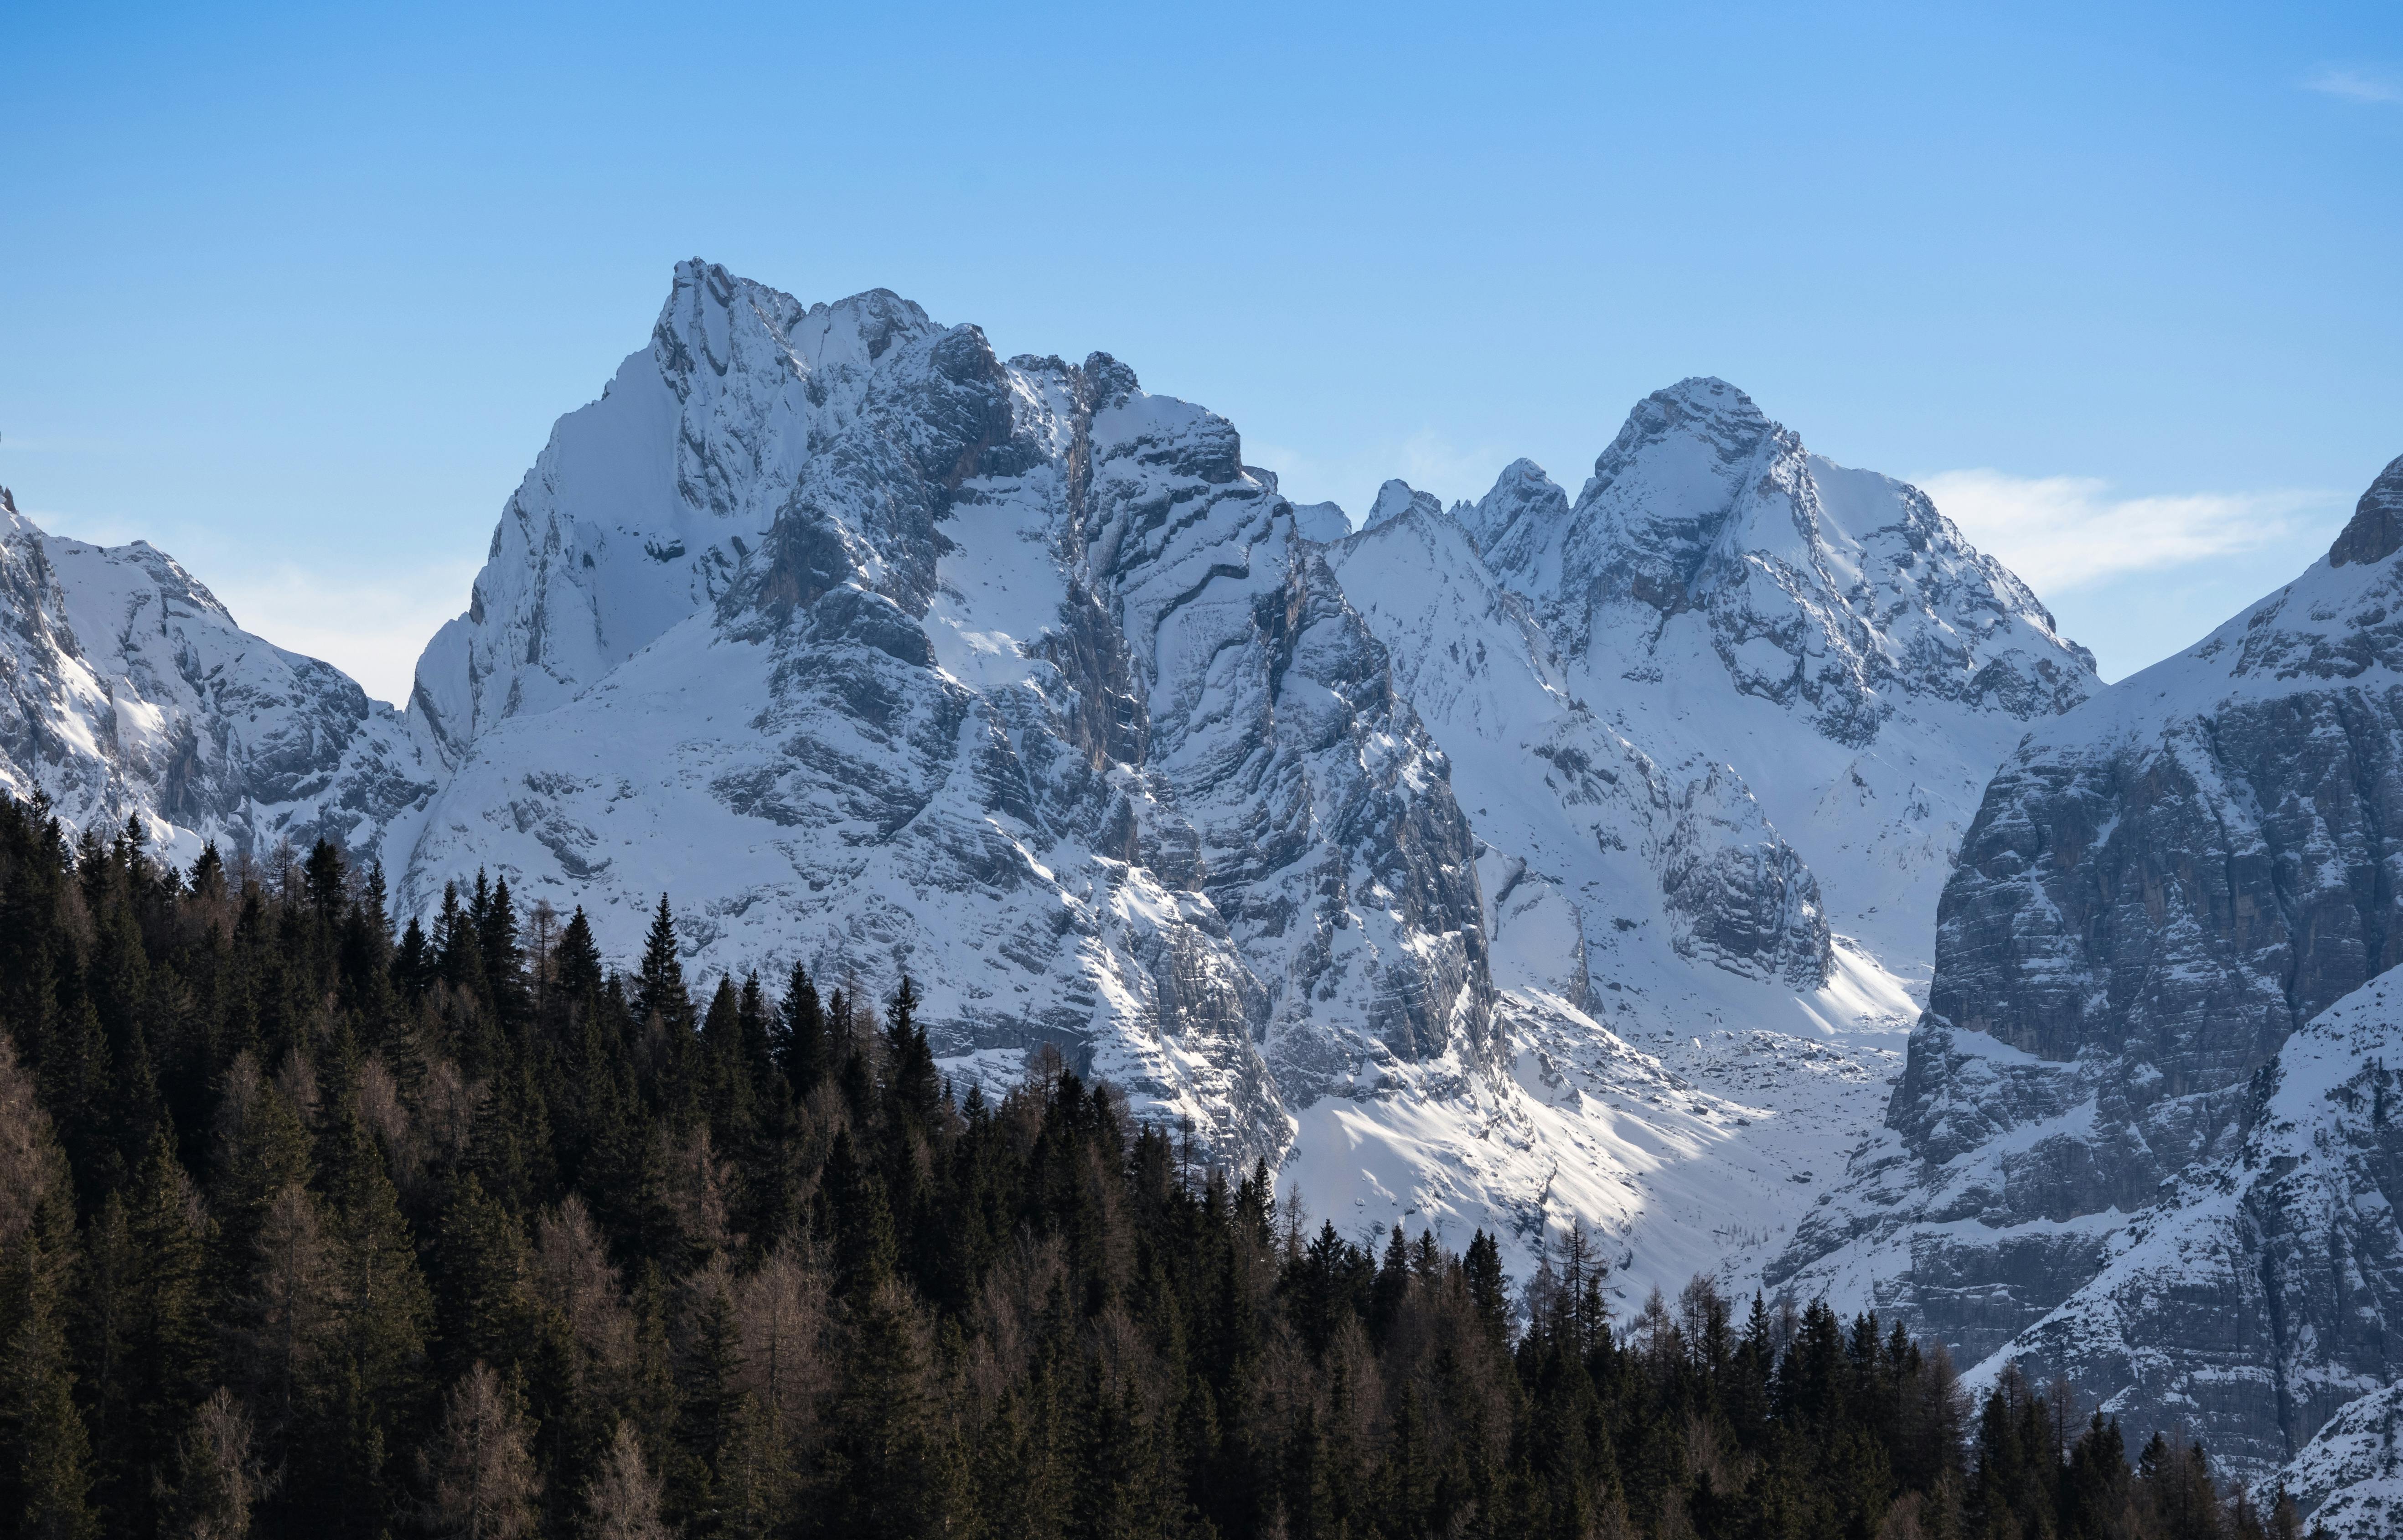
column 2252, row 1300
column 128, row 692
column 879, row 652
column 1684, row 847
column 1841, row 595
column 2159, row 889
column 2349, row 1479
column 1817, row 651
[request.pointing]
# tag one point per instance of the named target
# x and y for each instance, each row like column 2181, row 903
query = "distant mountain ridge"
column 127, row 689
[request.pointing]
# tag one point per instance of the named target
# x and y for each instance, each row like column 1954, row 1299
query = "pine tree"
column 383, row 1312
column 807, row 1053
column 148, row 1352
column 861, row 1219
column 890, row 1472
column 285, row 1315
column 915, row 1087
column 707, row 1392
column 578, row 959
column 483, row 1299
column 326, row 881
column 1488, row 1290
column 658, row 988
column 46, row 1471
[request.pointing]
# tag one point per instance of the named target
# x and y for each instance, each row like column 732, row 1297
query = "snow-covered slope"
column 1605, row 735
column 2349, row 1479
column 1491, row 867
column 127, row 691
column 2159, row 889
column 1718, row 591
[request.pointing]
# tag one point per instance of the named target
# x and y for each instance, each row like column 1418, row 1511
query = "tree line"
column 308, row 1228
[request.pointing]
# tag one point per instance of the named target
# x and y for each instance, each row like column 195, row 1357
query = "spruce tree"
column 806, row 1051
column 46, row 1467
column 658, row 988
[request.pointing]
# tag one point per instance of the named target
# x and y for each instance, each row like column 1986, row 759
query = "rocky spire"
column 2376, row 530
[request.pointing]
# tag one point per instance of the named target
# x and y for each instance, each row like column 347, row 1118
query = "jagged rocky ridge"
column 1680, row 839
column 2159, row 889
column 877, row 650
column 127, row 691
column 900, row 657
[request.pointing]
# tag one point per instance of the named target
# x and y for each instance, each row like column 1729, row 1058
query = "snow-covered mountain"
column 1533, row 859
column 1686, row 846
column 877, row 651
column 2160, row 890
column 127, row 691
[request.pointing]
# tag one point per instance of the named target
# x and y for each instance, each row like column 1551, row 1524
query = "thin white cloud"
column 2068, row 531
column 371, row 630
column 2355, row 85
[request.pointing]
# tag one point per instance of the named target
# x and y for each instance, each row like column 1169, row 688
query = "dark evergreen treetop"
column 307, row 1232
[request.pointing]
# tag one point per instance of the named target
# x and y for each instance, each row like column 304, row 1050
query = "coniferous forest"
column 308, row 1228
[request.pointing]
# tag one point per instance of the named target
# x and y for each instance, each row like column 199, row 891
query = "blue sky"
column 295, row 293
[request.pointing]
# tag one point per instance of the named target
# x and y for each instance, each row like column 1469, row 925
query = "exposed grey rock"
column 2158, row 891
column 2261, row 1295
column 2349, row 1479
column 2375, row 532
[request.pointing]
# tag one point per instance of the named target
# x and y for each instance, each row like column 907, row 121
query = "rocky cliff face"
column 2158, row 892
column 883, row 653
column 2258, row 1296
column 1637, row 770
column 2350, row 1477
column 127, row 691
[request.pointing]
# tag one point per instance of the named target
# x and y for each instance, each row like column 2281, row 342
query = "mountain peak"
column 1525, row 509
column 1708, row 393
column 1699, row 408
column 1395, row 498
column 2375, row 532
column 712, row 314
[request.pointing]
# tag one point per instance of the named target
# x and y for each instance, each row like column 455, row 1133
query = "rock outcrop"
column 2264, row 1292
column 2158, row 891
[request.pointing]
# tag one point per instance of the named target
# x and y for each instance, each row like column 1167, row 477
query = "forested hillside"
column 306, row 1230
